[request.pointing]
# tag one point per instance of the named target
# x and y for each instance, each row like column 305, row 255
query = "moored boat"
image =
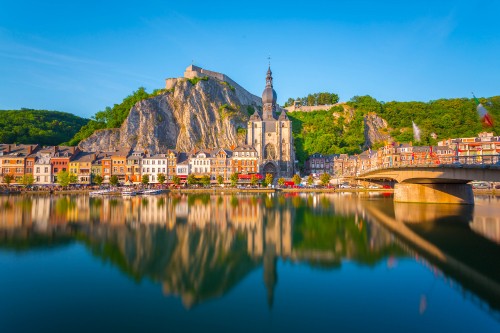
column 151, row 192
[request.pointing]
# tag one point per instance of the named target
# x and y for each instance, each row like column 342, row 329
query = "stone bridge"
column 435, row 184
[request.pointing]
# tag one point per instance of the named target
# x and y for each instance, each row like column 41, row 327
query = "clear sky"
column 81, row 56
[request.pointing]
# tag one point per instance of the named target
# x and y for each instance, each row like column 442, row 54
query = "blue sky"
column 81, row 56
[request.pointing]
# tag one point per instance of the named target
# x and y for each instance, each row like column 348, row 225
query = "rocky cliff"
column 376, row 130
column 201, row 113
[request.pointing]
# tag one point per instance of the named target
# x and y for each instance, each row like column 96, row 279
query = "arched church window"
column 270, row 152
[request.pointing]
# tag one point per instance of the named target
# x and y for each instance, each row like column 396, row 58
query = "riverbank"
column 221, row 190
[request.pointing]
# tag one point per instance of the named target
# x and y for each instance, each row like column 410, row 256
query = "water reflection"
column 200, row 246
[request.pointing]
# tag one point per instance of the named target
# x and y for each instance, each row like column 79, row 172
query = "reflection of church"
column 271, row 136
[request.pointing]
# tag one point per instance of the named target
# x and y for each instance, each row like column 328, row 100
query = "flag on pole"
column 483, row 113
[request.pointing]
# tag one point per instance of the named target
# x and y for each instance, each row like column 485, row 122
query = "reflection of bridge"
column 435, row 183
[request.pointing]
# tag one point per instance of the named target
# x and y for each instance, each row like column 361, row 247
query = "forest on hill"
column 38, row 126
column 111, row 117
column 341, row 128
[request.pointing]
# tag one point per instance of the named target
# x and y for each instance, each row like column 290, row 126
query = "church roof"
column 255, row 116
column 283, row 115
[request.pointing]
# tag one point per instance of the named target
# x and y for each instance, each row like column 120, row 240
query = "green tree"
column 7, row 179
column 114, row 180
column 310, row 180
column 220, row 180
column 73, row 179
column 254, row 180
column 63, row 178
column 325, row 179
column 296, row 179
column 205, row 180
column 161, row 178
column 311, row 100
column 234, row 179
column 176, row 180
column 27, row 179
column 191, row 179
column 97, row 179
column 269, row 178
column 281, row 181
column 145, row 179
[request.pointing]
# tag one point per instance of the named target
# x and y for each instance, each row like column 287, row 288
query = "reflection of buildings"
column 486, row 220
column 197, row 246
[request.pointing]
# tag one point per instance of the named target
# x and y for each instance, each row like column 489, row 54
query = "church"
column 271, row 135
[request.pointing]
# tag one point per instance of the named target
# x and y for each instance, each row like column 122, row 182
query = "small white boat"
column 129, row 193
column 100, row 192
column 151, row 192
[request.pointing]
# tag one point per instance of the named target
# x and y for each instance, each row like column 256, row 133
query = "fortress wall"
column 311, row 108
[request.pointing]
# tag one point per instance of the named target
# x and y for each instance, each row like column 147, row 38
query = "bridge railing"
column 430, row 162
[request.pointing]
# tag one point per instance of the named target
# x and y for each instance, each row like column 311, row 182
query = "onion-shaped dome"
column 269, row 95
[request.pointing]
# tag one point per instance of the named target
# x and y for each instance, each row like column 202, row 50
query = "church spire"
column 269, row 97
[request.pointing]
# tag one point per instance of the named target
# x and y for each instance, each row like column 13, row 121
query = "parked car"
column 345, row 186
column 374, row 186
column 480, row 186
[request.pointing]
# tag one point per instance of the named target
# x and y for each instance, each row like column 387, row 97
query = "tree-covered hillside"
column 112, row 117
column 341, row 129
column 38, row 126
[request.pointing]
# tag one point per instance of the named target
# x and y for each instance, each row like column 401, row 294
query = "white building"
column 153, row 165
column 199, row 163
column 42, row 172
column 182, row 166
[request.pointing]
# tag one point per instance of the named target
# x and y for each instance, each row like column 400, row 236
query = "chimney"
column 56, row 149
column 30, row 149
column 73, row 150
column 8, row 149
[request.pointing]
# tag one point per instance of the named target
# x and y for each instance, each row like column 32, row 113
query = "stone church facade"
column 271, row 136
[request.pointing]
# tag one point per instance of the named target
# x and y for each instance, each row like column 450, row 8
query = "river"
column 344, row 262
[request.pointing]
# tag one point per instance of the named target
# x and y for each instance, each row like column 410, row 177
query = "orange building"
column 61, row 158
column 14, row 159
column 133, row 171
column 245, row 161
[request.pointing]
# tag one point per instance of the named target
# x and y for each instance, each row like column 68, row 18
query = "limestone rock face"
column 376, row 130
column 206, row 114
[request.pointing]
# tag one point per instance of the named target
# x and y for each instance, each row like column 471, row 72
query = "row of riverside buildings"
column 44, row 163
column 485, row 148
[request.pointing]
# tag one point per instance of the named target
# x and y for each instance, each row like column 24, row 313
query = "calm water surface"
column 247, row 263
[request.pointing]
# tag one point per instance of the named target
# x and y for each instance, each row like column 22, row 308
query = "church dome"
column 269, row 95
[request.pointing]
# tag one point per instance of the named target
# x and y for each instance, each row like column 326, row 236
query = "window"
column 37, row 169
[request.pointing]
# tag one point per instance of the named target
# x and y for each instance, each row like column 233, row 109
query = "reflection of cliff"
column 194, row 264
